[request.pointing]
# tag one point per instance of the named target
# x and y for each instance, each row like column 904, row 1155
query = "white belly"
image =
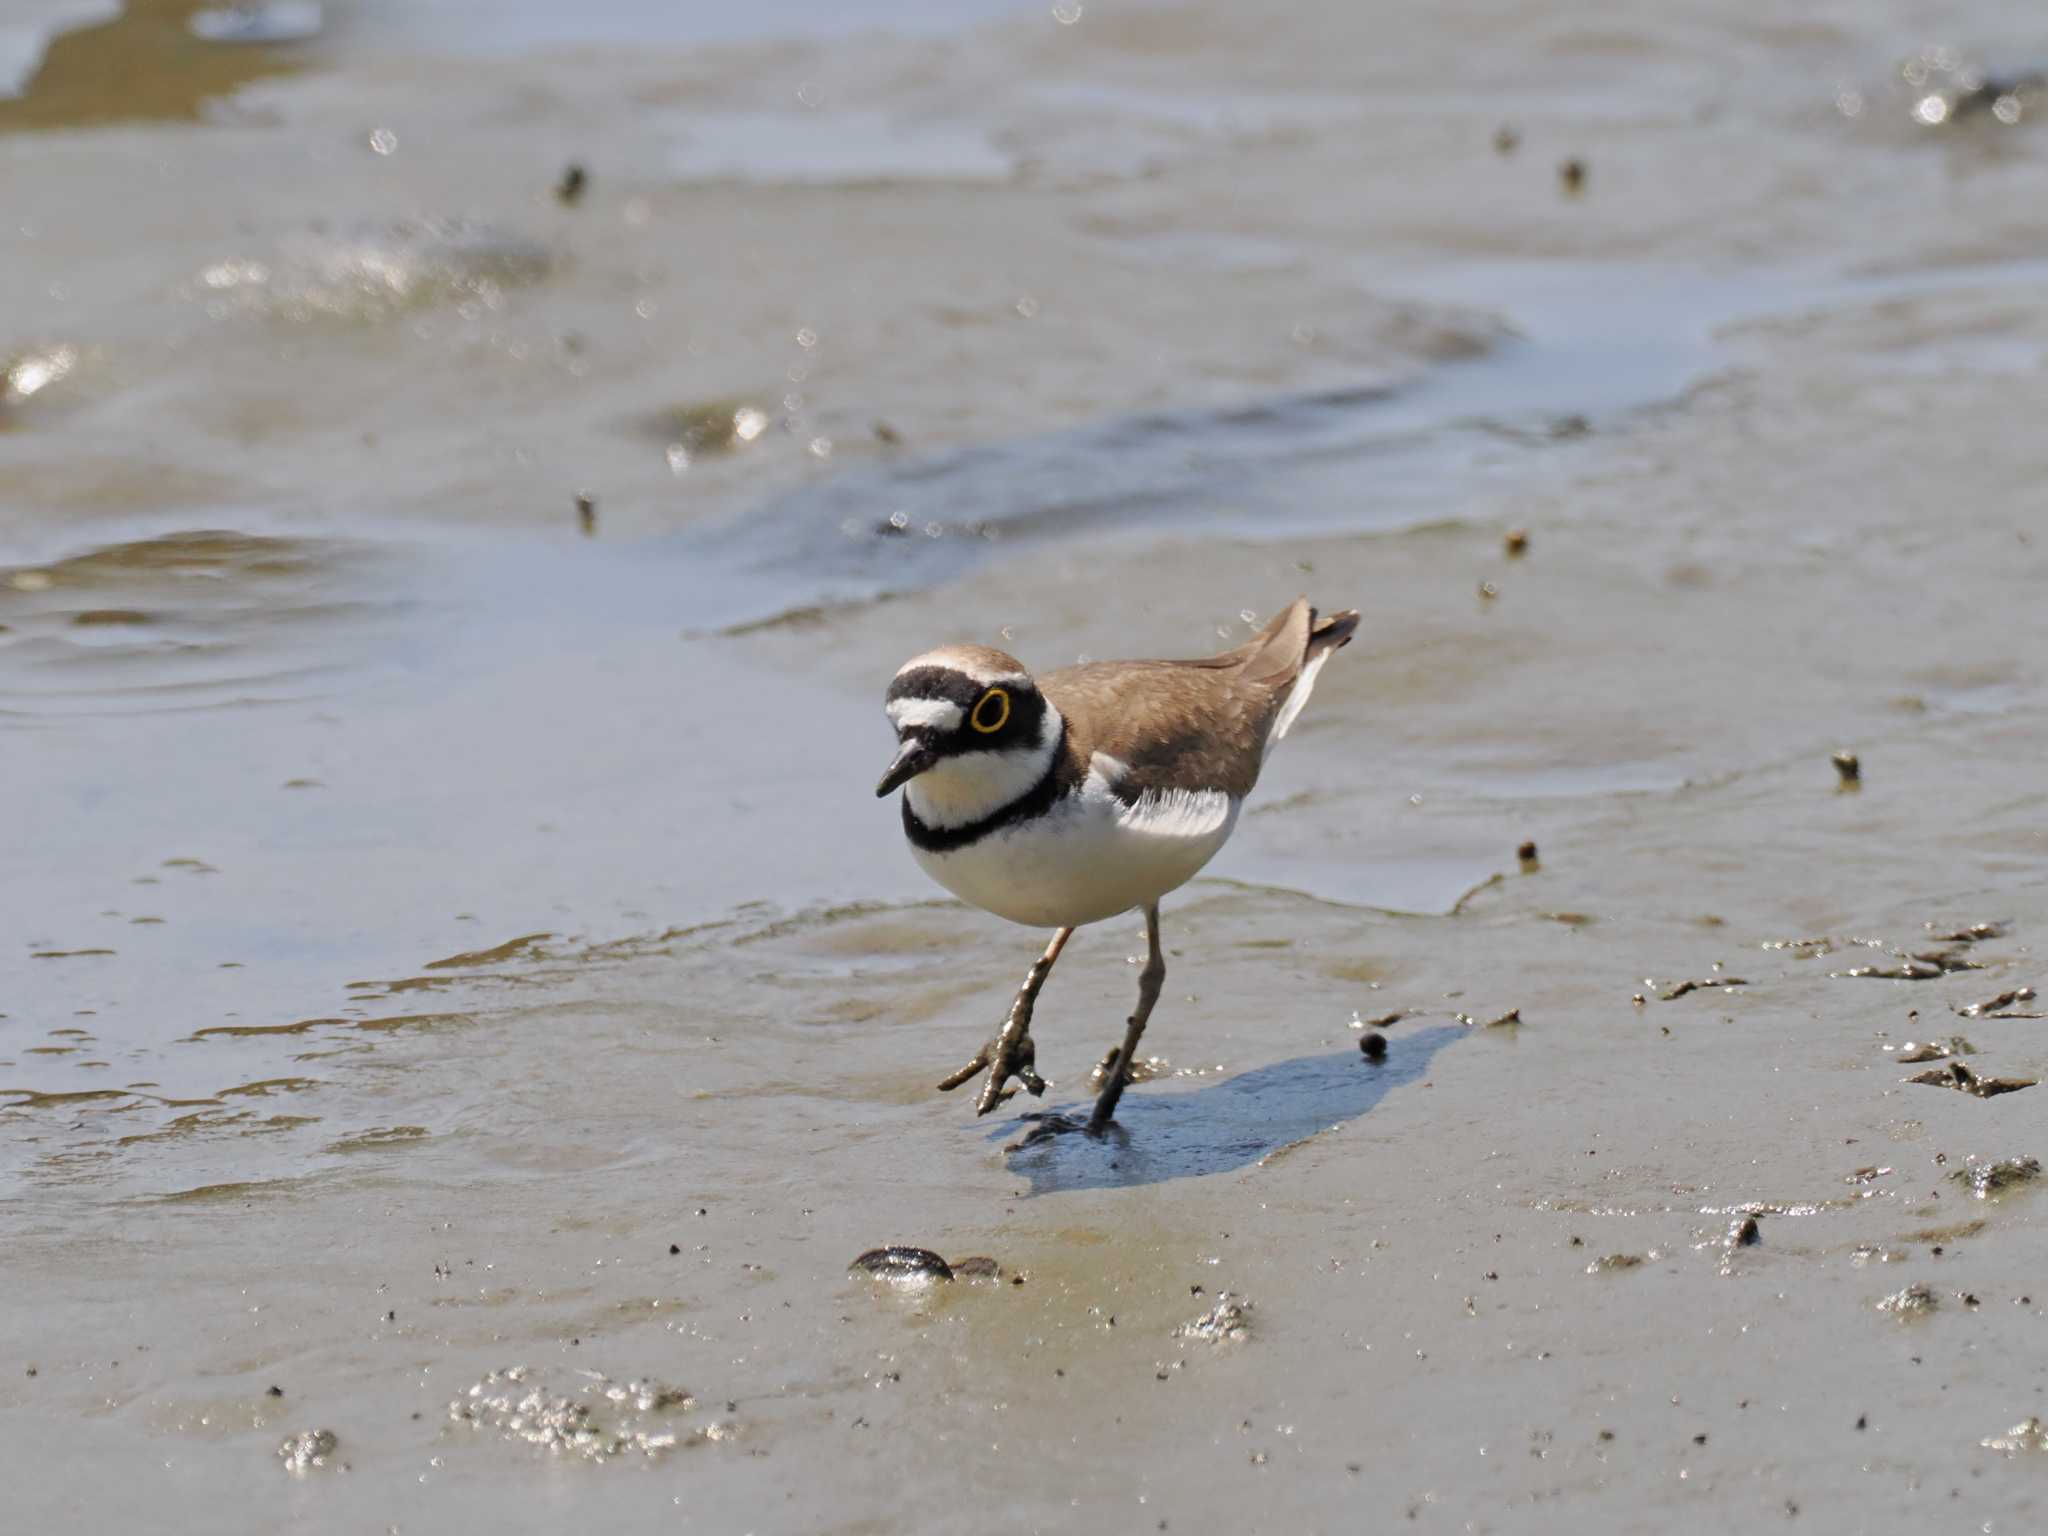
column 1088, row 859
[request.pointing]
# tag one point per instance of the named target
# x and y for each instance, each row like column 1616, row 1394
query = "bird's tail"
column 1324, row 635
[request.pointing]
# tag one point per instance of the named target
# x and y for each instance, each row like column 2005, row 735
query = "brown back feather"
column 1197, row 724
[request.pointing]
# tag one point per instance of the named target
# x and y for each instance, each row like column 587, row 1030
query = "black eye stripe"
column 944, row 683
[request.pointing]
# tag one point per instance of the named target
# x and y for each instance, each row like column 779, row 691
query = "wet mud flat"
column 469, row 1038
column 1614, row 1258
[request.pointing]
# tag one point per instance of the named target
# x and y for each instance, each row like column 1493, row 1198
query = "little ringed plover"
column 1095, row 789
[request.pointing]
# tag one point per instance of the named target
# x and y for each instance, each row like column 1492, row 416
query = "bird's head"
column 968, row 721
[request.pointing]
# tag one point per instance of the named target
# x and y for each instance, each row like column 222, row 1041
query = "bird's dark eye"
column 992, row 713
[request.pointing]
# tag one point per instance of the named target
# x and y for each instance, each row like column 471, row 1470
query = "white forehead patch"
column 938, row 714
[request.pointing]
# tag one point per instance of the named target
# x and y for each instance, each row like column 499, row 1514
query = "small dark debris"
column 1527, row 854
column 1699, row 1439
column 1863, row 1421
column 1929, row 965
column 1695, row 986
column 1848, row 769
column 1571, row 175
column 273, row 1391
column 569, row 190
column 586, row 513
column 1506, row 1020
column 1506, row 139
column 1996, row 1004
column 1971, row 933
column 887, row 435
column 1745, row 1233
column 1016, row 1279
column 1914, row 1052
column 1374, row 1045
column 674, row 1249
column 900, row 1262
column 1958, row 1075
column 1516, row 544
column 1606, row 1434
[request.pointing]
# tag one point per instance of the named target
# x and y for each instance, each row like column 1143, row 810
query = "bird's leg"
column 1116, row 1066
column 1012, row 1053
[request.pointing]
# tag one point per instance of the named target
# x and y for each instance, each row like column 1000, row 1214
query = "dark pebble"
column 273, row 1392
column 674, row 1249
column 569, row 190
column 1374, row 1044
column 1572, row 176
column 897, row 1260
column 1747, row 1233
column 1527, row 852
column 1516, row 543
column 1847, row 766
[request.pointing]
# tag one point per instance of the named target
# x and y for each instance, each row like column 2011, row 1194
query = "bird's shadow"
column 1161, row 1136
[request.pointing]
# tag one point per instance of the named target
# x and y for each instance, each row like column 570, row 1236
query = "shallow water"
column 448, row 940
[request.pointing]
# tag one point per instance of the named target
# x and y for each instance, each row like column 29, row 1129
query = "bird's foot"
column 1019, row 1061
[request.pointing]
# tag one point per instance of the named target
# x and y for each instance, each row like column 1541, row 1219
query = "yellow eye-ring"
column 992, row 713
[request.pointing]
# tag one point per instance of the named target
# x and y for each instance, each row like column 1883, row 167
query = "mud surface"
column 462, row 1005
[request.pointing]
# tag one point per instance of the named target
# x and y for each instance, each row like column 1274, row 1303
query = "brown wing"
column 1193, row 725
column 1175, row 725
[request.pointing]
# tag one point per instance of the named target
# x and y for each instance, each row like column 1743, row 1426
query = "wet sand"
column 449, row 942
